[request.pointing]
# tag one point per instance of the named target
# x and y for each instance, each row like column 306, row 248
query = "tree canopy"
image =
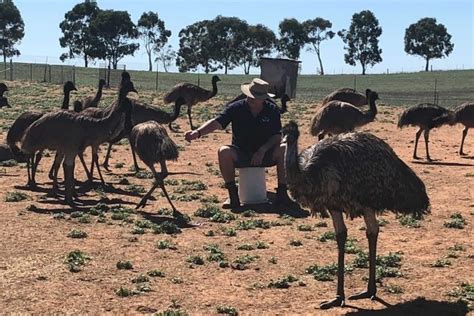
column 428, row 39
column 77, row 36
column 258, row 42
column 153, row 33
column 293, row 37
column 318, row 30
column 362, row 43
column 114, row 30
column 12, row 29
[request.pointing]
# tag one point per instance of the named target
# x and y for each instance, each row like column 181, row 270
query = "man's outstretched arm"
column 207, row 128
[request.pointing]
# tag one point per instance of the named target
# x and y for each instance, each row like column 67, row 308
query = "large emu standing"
column 47, row 133
column 93, row 101
column 337, row 117
column 426, row 116
column 3, row 100
column 347, row 95
column 191, row 94
column 464, row 114
column 153, row 145
column 357, row 174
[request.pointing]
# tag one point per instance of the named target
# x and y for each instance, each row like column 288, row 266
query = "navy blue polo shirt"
column 249, row 133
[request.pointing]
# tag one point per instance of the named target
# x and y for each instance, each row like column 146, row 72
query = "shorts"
column 244, row 158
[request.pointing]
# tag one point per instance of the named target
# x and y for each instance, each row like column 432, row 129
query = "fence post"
column 62, row 74
column 49, row 73
column 436, row 81
column 74, row 74
column 31, row 72
column 11, row 70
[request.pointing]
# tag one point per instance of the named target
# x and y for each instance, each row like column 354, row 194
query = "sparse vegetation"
column 228, row 310
column 166, row 227
column 409, row 221
column 75, row 233
column 76, row 260
column 456, row 221
column 124, row 265
column 16, row 196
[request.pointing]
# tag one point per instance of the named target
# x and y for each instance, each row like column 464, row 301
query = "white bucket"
column 252, row 186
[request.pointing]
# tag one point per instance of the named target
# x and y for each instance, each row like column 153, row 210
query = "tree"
column 153, row 33
column 362, row 43
column 292, row 38
column 318, row 30
column 166, row 56
column 428, row 40
column 195, row 48
column 77, row 32
column 227, row 35
column 114, row 30
column 258, row 42
column 12, row 29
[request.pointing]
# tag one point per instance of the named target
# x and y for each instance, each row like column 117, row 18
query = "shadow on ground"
column 419, row 307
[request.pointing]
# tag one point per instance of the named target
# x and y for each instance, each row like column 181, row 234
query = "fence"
column 446, row 88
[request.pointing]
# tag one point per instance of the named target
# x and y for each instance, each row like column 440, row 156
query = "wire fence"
column 447, row 88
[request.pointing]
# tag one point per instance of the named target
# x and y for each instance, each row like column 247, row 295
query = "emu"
column 82, row 131
column 357, row 174
column 426, row 116
column 338, row 117
column 153, row 145
column 347, row 95
column 464, row 114
column 191, row 94
column 93, row 101
column 3, row 100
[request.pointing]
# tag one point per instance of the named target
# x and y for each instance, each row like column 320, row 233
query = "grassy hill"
column 453, row 87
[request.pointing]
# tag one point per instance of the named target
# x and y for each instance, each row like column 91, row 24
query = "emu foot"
column 416, row 157
column 106, row 166
column 461, row 153
column 429, row 159
column 362, row 295
column 337, row 302
column 32, row 184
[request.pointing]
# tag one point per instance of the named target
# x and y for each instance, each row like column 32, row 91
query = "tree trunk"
column 363, row 69
column 427, row 64
column 164, row 66
column 321, row 69
column 225, row 68
column 86, row 61
column 150, row 65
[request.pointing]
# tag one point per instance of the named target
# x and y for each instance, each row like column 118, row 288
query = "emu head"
column 102, row 82
column 285, row 98
column 125, row 76
column 77, row 106
column 215, row 78
column 371, row 95
column 290, row 132
column 69, row 86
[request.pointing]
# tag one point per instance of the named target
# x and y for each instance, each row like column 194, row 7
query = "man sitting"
column 256, row 139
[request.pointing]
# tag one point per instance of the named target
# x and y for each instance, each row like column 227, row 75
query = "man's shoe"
column 233, row 201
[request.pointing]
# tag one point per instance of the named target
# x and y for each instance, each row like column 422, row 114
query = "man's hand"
column 257, row 157
column 191, row 135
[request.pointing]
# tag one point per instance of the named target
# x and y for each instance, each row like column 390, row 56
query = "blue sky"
column 42, row 20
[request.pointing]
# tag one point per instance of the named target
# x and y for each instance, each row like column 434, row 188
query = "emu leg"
column 427, row 136
column 341, row 237
column 54, row 166
column 189, row 116
column 135, row 163
column 417, row 137
column 84, row 165
column 29, row 165
column 107, row 157
column 95, row 158
column 464, row 133
column 68, row 166
column 372, row 234
column 36, row 162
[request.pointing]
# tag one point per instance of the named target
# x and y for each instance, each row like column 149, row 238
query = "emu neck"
column 291, row 161
column 214, row 89
column 65, row 105
column 372, row 110
column 98, row 95
column 176, row 110
column 283, row 106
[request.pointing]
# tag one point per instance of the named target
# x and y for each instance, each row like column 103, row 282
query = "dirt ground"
column 34, row 241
